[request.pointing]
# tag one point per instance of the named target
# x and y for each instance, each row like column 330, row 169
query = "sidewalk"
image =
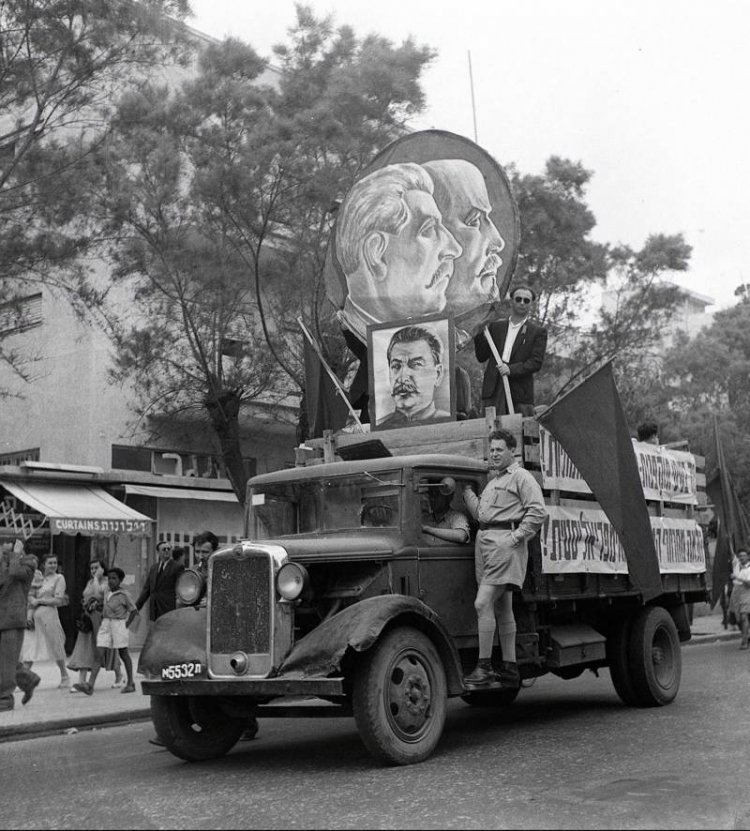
column 53, row 710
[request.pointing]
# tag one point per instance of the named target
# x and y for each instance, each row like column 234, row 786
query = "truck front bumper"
column 255, row 688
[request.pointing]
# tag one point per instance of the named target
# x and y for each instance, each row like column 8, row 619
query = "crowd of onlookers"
column 32, row 592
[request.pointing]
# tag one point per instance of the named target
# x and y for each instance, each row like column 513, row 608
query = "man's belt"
column 507, row 526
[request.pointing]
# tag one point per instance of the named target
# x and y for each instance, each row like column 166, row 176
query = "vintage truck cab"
column 337, row 601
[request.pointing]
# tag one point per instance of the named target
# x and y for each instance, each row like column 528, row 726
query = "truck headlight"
column 292, row 580
column 189, row 587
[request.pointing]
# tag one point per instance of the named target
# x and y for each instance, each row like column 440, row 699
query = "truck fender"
column 175, row 637
column 358, row 627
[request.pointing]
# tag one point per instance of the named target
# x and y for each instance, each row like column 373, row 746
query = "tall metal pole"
column 473, row 105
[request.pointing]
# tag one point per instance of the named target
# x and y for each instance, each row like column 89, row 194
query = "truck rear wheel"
column 400, row 697
column 193, row 728
column 655, row 658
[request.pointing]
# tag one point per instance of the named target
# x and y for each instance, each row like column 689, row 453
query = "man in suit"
column 521, row 345
column 160, row 583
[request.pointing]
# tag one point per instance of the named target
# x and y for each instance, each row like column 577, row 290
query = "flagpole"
column 730, row 519
column 331, row 374
column 499, row 362
column 473, row 105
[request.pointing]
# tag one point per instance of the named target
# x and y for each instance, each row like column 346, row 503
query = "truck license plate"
column 174, row 672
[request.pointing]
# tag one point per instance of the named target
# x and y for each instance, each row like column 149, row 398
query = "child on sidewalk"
column 117, row 615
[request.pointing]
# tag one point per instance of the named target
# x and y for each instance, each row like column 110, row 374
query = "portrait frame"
column 381, row 402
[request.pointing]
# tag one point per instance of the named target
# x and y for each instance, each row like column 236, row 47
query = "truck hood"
column 355, row 546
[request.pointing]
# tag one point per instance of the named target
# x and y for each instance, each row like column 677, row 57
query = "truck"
column 336, row 604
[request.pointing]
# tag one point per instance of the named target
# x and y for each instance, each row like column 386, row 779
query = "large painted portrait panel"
column 430, row 227
column 411, row 366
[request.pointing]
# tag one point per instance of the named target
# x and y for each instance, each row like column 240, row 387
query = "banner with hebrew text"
column 668, row 475
column 578, row 541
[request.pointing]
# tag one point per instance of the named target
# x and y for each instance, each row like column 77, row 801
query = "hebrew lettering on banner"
column 578, row 541
column 668, row 475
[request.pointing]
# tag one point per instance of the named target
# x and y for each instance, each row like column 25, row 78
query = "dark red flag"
column 733, row 528
column 590, row 424
column 326, row 409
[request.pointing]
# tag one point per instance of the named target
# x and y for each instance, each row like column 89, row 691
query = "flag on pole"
column 326, row 408
column 733, row 527
column 590, row 424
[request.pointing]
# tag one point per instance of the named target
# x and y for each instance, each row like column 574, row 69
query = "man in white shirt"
column 522, row 345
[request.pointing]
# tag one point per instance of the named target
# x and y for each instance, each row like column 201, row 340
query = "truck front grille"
column 240, row 605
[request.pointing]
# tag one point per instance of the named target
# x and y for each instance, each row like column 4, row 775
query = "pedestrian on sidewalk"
column 46, row 641
column 16, row 573
column 83, row 656
column 741, row 593
column 179, row 557
column 118, row 613
column 159, row 587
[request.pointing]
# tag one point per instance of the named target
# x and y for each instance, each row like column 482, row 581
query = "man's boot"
column 509, row 675
column 27, row 681
column 482, row 675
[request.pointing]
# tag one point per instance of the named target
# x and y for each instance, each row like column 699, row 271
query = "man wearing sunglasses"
column 160, row 583
column 521, row 344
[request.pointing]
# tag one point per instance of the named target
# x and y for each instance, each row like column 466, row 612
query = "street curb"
column 44, row 728
column 719, row 636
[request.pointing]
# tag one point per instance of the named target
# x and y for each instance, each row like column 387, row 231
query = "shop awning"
column 181, row 493
column 80, row 509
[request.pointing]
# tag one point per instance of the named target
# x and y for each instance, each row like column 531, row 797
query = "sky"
column 647, row 94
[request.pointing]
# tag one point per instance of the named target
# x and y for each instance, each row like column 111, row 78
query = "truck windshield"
column 323, row 505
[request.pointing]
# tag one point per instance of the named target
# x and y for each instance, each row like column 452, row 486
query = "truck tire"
column 193, row 728
column 619, row 662
column 491, row 698
column 655, row 658
column 399, row 697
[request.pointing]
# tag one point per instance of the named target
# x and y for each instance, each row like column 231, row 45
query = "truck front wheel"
column 400, row 697
column 193, row 728
column 654, row 657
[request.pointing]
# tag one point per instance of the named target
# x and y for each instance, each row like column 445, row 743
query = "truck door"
column 446, row 569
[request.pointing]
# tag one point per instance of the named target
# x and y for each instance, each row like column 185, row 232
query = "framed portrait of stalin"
column 411, row 369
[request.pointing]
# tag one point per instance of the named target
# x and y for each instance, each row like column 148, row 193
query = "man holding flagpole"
column 522, row 345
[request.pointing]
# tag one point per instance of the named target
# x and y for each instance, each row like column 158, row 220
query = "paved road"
column 566, row 755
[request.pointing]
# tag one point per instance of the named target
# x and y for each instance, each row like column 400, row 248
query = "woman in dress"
column 48, row 639
column 82, row 657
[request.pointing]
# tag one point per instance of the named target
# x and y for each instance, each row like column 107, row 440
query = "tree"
column 340, row 100
column 631, row 328
column 557, row 256
column 59, row 62
column 708, row 376
column 242, row 176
